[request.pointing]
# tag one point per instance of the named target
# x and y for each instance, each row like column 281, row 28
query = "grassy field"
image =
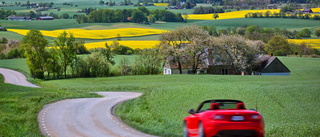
column 291, row 24
column 289, row 104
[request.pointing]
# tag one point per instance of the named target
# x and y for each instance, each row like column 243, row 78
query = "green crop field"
column 290, row 24
column 289, row 104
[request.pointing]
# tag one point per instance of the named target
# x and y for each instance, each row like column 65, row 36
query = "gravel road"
column 87, row 117
column 15, row 77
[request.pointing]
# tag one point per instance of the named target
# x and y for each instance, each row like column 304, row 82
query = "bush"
column 123, row 50
column 93, row 65
column 278, row 53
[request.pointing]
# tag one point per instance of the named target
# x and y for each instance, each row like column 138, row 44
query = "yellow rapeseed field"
column 131, row 44
column 315, row 9
column 234, row 14
column 160, row 4
column 315, row 43
column 96, row 34
column 227, row 15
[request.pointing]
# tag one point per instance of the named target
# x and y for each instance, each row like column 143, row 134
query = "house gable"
column 275, row 66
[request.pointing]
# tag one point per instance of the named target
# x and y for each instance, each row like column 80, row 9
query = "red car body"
column 223, row 118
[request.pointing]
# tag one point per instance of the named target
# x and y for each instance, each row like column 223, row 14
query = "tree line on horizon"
column 139, row 15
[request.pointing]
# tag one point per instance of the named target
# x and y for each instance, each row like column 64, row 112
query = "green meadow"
column 289, row 104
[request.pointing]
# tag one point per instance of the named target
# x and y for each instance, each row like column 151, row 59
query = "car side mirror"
column 191, row 111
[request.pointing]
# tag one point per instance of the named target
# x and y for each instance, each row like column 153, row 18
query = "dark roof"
column 306, row 10
column 265, row 62
column 17, row 17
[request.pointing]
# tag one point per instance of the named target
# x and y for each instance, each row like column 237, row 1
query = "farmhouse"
column 172, row 67
column 19, row 18
column 45, row 18
column 267, row 65
column 307, row 11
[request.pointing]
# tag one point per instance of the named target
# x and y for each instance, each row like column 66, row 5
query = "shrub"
column 123, row 50
column 278, row 53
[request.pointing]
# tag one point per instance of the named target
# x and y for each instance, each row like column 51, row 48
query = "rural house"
column 45, row 18
column 19, row 18
column 171, row 67
column 267, row 65
column 307, row 11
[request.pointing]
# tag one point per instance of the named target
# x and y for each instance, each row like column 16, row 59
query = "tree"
column 138, row 17
column 147, row 62
column 53, row 63
column 3, row 2
column 67, row 49
column 34, row 45
column 286, row 9
column 277, row 43
column 118, row 37
column 185, row 44
column 215, row 16
column 101, row 2
column 241, row 53
column 65, row 16
column 108, row 53
column 316, row 32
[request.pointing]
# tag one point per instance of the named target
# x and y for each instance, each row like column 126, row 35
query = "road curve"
column 87, row 117
column 15, row 77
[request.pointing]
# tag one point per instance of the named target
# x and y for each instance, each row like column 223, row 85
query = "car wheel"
column 185, row 130
column 200, row 129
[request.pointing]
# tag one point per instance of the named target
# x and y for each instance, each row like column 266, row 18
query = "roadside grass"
column 289, row 104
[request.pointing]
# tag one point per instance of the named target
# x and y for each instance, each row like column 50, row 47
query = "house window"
column 225, row 71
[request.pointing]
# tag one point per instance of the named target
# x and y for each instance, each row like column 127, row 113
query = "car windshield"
column 222, row 104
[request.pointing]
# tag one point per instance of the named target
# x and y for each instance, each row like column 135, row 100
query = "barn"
column 271, row 65
column 19, row 18
column 45, row 18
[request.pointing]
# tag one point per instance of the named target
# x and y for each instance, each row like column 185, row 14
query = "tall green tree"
column 138, row 17
column 34, row 45
column 316, row 32
column 277, row 43
column 67, row 50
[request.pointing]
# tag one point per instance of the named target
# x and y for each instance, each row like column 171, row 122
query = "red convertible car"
column 223, row 118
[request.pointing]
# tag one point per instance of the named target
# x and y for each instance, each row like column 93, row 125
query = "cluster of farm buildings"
column 23, row 18
column 266, row 65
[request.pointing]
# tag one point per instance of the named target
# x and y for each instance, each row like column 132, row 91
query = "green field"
column 289, row 104
column 290, row 24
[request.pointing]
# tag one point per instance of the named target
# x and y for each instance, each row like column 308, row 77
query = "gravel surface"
column 15, row 77
column 87, row 117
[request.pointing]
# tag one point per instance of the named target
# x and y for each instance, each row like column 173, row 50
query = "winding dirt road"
column 84, row 117
column 15, row 77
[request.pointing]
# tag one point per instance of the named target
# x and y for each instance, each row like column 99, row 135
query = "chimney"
column 271, row 54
